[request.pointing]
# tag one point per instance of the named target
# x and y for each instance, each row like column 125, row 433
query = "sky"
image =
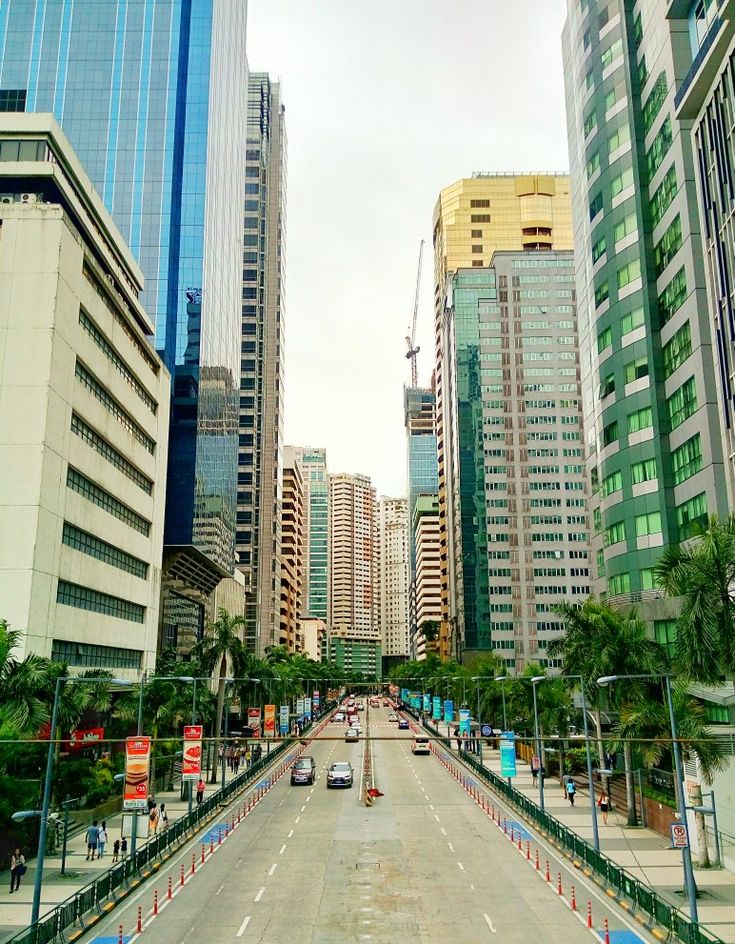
column 387, row 102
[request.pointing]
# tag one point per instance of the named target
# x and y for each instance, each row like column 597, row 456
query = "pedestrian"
column 153, row 819
column 93, row 833
column 613, row 759
column 116, row 850
column 102, row 839
column 164, row 816
column 124, row 846
column 571, row 790
column 151, row 802
column 248, row 757
column 534, row 773
column 604, row 804
column 17, row 868
column 200, row 791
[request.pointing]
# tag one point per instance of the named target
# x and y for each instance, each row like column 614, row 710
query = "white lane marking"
column 451, row 847
column 489, row 923
column 444, row 832
column 297, row 819
column 219, row 890
column 460, row 867
column 273, row 868
column 303, row 808
column 431, row 806
column 436, row 818
column 260, row 894
column 290, row 833
column 245, row 923
column 282, row 849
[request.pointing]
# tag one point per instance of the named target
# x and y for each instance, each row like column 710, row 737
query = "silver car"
column 340, row 774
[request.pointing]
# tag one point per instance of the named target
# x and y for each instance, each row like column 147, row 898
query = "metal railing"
column 90, row 898
column 641, row 895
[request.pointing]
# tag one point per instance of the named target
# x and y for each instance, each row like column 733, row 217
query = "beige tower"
column 394, row 555
column 293, row 552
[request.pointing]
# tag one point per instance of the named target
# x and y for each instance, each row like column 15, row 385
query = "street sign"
column 436, row 708
column 448, row 711
column 487, row 730
column 464, row 721
column 508, row 756
column 535, row 762
column 679, row 838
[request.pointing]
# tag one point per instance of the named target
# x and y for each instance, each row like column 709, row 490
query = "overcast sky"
column 388, row 101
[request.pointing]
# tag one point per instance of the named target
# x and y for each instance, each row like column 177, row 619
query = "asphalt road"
column 315, row 866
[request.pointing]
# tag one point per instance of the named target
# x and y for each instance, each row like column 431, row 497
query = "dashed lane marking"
column 282, row 849
column 241, row 929
column 489, row 923
column 260, row 893
column 273, row 868
column 290, row 833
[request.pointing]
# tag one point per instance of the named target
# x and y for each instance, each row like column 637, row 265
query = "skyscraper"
column 260, row 454
column 425, row 528
column 293, row 540
column 313, row 464
column 152, row 95
column 647, row 361
column 393, row 554
column 473, row 219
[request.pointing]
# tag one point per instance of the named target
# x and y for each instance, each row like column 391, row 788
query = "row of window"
column 111, row 354
column 85, row 487
column 111, row 404
column 83, row 598
column 93, row 546
column 108, row 452
column 93, row 656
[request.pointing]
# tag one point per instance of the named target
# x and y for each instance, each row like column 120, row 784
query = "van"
column 303, row 771
column 420, row 746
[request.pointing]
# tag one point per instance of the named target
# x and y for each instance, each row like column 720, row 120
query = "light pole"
column 534, row 682
column 686, row 854
column 501, row 679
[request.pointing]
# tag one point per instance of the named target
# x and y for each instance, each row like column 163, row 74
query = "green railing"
column 641, row 895
column 72, row 911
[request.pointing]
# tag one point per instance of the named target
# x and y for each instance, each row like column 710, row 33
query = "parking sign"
column 679, row 839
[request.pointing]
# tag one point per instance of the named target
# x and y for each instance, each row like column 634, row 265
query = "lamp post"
column 686, row 854
column 501, row 679
column 534, row 682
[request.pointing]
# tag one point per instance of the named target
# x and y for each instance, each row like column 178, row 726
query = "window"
column 111, row 354
column 648, row 523
column 589, row 79
column 108, row 452
column 607, row 386
column 659, row 147
column 602, row 293
column 635, row 370
column 677, row 350
column 604, row 340
column 662, row 197
column 610, row 99
column 640, row 419
column 672, row 297
column 111, row 404
column 476, row 234
column 590, row 122
column 480, row 204
column 644, row 471
column 642, row 71
column 637, row 31
column 621, row 182
column 79, row 483
column 611, row 53
column 12, row 99
column 652, row 105
column 480, row 218
column 476, row 249
column 612, row 483
column 629, row 273
column 619, row 583
column 72, row 594
column 596, row 205
column 686, row 460
column 625, row 227
column 610, row 433
column 615, row 533
column 599, row 248
column 593, row 164
column 94, row 547
column 691, row 514
column 668, row 246
column 631, row 321
column 105, row 657
column 717, row 714
column 601, row 563
column 619, row 137
column 682, row 403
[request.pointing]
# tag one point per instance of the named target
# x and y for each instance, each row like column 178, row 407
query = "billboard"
column 191, row 764
column 299, row 708
column 269, row 721
column 307, row 708
column 80, row 739
column 464, row 720
column 507, row 754
column 436, row 711
column 427, row 702
column 254, row 721
column 316, row 699
column 448, row 711
column 283, row 719
column 137, row 764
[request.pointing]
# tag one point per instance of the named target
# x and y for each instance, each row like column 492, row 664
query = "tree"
column 222, row 645
column 600, row 639
column 23, row 707
column 702, row 573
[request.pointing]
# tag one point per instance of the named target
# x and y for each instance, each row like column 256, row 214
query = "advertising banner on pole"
column 269, row 721
column 307, row 708
column 427, row 703
column 404, row 694
column 191, row 764
column 436, row 711
column 137, row 765
column 284, row 719
column 414, row 700
column 448, row 710
column 300, row 708
column 316, row 700
column 507, row 744
column 85, row 738
column 254, row 721
column 464, row 720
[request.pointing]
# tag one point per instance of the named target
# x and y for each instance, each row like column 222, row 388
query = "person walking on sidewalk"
column 116, row 850
column 201, row 786
column 571, row 790
column 164, row 816
column 93, row 833
column 17, row 868
column 154, row 817
column 102, row 839
column 604, row 804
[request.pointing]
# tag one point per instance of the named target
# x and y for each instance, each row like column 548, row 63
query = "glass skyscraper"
column 152, row 94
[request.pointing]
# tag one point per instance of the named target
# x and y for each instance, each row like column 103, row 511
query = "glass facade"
column 131, row 85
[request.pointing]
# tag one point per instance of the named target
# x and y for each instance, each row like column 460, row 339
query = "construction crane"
column 411, row 338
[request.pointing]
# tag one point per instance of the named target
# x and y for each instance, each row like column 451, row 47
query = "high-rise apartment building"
column 84, row 403
column 353, row 558
column 649, row 387
column 422, row 475
column 425, row 528
column 516, row 422
column 260, row 455
column 313, row 463
column 473, row 219
column 393, row 555
column 293, row 540
column 152, row 95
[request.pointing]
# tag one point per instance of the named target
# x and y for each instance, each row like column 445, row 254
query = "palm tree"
column 23, row 708
column 702, row 573
column 222, row 645
column 600, row 639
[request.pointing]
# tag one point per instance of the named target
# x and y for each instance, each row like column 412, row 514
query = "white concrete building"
column 314, row 632
column 84, row 405
column 427, row 541
column 393, row 553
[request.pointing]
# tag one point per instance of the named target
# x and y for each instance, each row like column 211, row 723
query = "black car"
column 303, row 771
column 340, row 774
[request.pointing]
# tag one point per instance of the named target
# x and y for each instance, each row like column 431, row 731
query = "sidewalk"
column 645, row 854
column 15, row 909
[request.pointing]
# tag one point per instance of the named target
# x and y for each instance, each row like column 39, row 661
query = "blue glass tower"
column 152, row 94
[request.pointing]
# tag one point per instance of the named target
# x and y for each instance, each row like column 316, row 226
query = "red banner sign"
column 137, row 764
column 80, row 739
column 254, row 721
column 191, row 765
column 269, row 721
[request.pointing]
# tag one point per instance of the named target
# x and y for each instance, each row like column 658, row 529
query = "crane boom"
column 411, row 338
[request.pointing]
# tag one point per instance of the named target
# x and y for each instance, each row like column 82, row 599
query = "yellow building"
column 473, row 219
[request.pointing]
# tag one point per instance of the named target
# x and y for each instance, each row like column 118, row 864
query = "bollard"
column 120, row 934
column 558, row 883
column 155, row 902
column 181, row 877
column 211, row 844
column 512, row 834
column 202, row 853
column 193, row 863
column 239, row 813
column 528, row 850
column 505, row 826
column 227, row 830
column 170, row 893
column 548, row 874
column 520, row 844
column 139, row 925
column 589, row 914
column 574, row 899
column 607, row 932
column 219, row 836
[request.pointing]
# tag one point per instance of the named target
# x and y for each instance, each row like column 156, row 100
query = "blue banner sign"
column 427, row 703
column 404, row 694
column 299, row 708
column 316, row 700
column 507, row 754
column 283, row 719
column 448, row 711
column 415, row 700
column 436, row 711
column 307, row 708
column 464, row 720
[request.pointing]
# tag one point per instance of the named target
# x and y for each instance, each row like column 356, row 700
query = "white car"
column 352, row 734
column 392, row 716
column 356, row 726
column 338, row 716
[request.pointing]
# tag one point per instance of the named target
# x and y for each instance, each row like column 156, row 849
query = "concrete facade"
column 425, row 527
column 393, row 550
column 292, row 556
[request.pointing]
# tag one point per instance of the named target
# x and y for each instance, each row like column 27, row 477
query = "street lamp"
column 534, row 682
column 44, row 812
column 686, row 854
column 501, row 679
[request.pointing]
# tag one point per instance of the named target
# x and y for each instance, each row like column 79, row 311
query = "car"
column 352, row 734
column 303, row 771
column 361, row 706
column 338, row 716
column 392, row 716
column 420, row 746
column 403, row 724
column 356, row 726
column 385, row 703
column 340, row 774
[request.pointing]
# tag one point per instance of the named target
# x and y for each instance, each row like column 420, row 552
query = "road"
column 424, row 864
